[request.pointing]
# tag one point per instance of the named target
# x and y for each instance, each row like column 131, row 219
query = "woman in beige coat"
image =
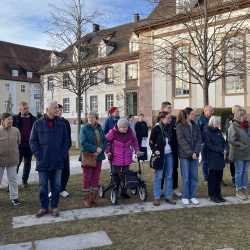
column 9, row 155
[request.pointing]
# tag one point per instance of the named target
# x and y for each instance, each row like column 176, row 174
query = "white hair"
column 51, row 104
column 214, row 121
column 123, row 122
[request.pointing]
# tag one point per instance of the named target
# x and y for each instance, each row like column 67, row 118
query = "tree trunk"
column 78, row 120
column 85, row 104
column 205, row 94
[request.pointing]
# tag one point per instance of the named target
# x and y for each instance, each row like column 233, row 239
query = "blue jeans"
column 54, row 177
column 204, row 162
column 189, row 172
column 241, row 174
column 168, row 168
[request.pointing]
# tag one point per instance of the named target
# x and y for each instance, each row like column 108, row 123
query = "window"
column 109, row 101
column 23, row 88
column 81, row 104
column 37, row 93
column 14, row 73
column 185, row 5
column 29, row 74
column 134, row 44
column 131, row 103
column 102, row 50
column 37, row 106
column 5, row 105
column 132, row 71
column 235, row 73
column 182, row 77
column 66, row 105
column 93, row 103
column 50, row 83
column 66, row 80
column 109, row 75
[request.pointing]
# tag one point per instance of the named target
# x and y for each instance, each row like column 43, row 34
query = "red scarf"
column 244, row 125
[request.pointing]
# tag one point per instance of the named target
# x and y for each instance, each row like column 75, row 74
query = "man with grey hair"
column 203, row 123
column 49, row 143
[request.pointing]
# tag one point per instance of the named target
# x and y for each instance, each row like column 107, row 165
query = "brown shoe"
column 245, row 192
column 156, row 202
column 87, row 201
column 170, row 201
column 93, row 197
column 55, row 212
column 42, row 212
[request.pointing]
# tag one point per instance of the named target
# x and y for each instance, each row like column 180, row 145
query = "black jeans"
column 118, row 175
column 232, row 170
column 26, row 155
column 65, row 174
column 214, row 183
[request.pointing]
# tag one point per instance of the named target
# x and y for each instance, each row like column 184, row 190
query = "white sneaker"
column 185, row 201
column 195, row 201
column 177, row 193
column 64, row 194
column 50, row 195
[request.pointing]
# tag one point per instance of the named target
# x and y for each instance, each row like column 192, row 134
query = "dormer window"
column 106, row 47
column 84, row 51
column 102, row 49
column 134, row 44
column 185, row 5
column 54, row 59
column 14, row 73
column 29, row 74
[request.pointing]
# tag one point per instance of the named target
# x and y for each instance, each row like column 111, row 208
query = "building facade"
column 19, row 77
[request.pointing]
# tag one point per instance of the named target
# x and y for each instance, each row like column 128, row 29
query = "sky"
column 26, row 21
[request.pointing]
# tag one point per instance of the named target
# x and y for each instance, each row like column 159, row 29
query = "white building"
column 19, row 77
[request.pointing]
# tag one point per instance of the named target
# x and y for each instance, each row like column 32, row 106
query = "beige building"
column 116, row 51
column 167, row 86
column 19, row 78
column 123, row 51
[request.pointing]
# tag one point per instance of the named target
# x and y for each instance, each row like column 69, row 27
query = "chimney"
column 136, row 17
column 96, row 27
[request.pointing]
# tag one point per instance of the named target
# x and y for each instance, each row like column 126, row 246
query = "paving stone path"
column 98, row 212
column 72, row 242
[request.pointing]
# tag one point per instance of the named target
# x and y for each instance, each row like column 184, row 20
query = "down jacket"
column 121, row 146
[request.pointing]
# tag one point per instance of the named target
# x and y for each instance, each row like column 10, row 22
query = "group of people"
column 174, row 141
column 49, row 140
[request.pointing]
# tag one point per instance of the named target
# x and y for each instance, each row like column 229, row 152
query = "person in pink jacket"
column 122, row 144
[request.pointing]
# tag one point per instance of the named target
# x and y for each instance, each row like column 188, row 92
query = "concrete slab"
column 98, row 212
column 75, row 242
column 20, row 246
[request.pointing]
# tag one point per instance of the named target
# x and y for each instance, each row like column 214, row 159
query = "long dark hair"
column 183, row 114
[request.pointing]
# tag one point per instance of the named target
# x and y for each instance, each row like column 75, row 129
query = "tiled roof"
column 22, row 58
column 118, row 37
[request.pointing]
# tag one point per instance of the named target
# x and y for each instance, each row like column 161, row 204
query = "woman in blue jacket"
column 215, row 147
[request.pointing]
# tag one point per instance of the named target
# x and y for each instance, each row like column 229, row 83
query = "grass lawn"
column 198, row 228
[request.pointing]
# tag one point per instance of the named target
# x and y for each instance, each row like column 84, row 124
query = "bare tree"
column 209, row 47
column 76, row 68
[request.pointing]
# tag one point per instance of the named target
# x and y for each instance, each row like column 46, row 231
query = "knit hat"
column 112, row 110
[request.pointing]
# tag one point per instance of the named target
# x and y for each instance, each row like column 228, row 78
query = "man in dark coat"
column 49, row 143
column 24, row 122
column 66, row 168
column 202, row 122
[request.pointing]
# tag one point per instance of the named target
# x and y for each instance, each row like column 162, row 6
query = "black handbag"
column 131, row 179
